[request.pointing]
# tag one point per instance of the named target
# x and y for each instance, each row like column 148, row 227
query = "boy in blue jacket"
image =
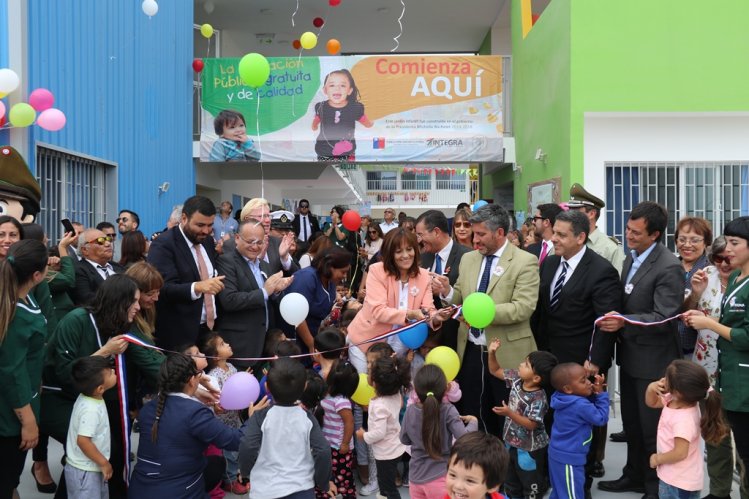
column 578, row 406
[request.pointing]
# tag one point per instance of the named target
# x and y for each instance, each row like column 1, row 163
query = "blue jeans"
column 666, row 491
column 232, row 465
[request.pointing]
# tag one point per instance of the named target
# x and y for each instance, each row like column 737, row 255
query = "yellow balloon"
column 308, row 40
column 364, row 392
column 206, row 30
column 2, row 94
column 446, row 359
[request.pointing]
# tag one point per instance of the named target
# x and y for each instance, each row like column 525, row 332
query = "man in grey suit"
column 653, row 282
column 249, row 285
column 441, row 255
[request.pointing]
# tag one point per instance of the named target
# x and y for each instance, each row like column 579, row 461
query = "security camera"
column 540, row 155
column 164, row 187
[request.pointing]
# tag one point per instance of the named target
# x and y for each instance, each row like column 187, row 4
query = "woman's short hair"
column 146, row 276
column 250, row 206
column 698, row 225
column 392, row 242
column 329, row 259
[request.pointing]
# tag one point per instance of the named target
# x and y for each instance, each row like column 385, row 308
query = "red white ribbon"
column 626, row 319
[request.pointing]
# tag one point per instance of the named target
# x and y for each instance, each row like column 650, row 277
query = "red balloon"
column 334, row 3
column 318, row 22
column 351, row 220
column 296, row 44
column 197, row 65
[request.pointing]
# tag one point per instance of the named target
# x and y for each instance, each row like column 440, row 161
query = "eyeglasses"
column 372, row 232
column 537, row 218
column 123, row 220
column 694, row 241
column 101, row 241
column 717, row 259
column 112, row 235
column 303, row 206
column 467, row 225
column 254, row 242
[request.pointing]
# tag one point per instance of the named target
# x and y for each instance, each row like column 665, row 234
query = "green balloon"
column 254, row 69
column 478, row 310
column 21, row 115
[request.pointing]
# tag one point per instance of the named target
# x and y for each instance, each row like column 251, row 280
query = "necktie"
column 544, row 250
column 104, row 270
column 483, row 285
column 558, row 286
column 304, row 227
column 635, row 265
column 207, row 299
column 437, row 265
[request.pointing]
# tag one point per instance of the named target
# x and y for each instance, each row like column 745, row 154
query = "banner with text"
column 355, row 108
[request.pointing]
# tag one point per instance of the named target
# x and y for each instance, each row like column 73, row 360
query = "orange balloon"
column 333, row 46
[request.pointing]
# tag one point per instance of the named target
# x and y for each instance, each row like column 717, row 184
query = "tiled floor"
column 615, row 458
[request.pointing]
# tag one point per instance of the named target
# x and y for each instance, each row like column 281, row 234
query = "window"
column 79, row 188
column 451, row 181
column 416, row 181
column 382, row 181
column 718, row 192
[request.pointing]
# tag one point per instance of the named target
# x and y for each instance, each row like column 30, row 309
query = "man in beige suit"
column 510, row 276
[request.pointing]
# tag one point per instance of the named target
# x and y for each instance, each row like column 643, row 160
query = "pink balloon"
column 41, row 99
column 51, row 120
column 2, row 109
column 239, row 391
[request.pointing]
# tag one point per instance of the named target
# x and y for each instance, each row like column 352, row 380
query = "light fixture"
column 540, row 155
column 265, row 38
column 163, row 187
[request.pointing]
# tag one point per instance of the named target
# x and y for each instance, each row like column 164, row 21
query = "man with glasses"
column 249, row 284
column 441, row 256
column 95, row 267
column 543, row 227
column 389, row 223
column 127, row 221
column 305, row 224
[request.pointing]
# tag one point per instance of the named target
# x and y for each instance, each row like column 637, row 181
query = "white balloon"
column 294, row 308
column 8, row 80
column 150, row 7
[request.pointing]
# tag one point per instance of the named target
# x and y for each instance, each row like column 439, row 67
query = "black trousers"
column 740, row 426
column 641, row 426
column 481, row 390
column 13, row 461
column 386, row 472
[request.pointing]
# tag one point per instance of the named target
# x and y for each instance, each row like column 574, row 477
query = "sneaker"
column 369, row 489
column 239, row 488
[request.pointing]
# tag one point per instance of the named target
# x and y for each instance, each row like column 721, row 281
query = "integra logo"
column 445, row 142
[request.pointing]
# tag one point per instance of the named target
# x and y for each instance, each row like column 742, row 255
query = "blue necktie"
column 558, row 287
column 483, row 285
column 437, row 265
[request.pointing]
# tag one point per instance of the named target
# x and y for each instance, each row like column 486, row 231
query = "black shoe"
column 588, row 495
column 711, row 496
column 618, row 437
column 650, row 496
column 44, row 488
column 596, row 469
column 624, row 484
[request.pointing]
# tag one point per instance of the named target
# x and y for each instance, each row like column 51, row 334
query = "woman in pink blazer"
column 398, row 292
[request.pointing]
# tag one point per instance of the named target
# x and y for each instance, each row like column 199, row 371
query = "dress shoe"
column 618, row 437
column 712, row 496
column 650, row 496
column 596, row 469
column 44, row 488
column 624, row 484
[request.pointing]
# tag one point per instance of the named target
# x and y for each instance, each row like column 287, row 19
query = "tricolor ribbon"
column 119, row 365
column 626, row 319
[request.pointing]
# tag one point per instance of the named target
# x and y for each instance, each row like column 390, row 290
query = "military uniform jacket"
column 604, row 246
column 733, row 357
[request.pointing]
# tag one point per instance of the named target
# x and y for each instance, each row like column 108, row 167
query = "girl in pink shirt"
column 679, row 457
column 388, row 376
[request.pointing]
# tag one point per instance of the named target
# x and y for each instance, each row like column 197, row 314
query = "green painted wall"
column 619, row 56
column 541, row 97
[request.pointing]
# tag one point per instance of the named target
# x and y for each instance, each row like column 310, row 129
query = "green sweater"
column 59, row 285
column 21, row 362
column 733, row 356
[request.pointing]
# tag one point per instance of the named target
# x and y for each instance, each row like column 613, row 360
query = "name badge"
column 628, row 288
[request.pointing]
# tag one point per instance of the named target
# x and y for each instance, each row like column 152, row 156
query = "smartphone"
column 67, row 225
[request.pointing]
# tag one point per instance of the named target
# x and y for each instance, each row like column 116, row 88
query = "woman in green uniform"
column 733, row 343
column 94, row 330
column 23, row 332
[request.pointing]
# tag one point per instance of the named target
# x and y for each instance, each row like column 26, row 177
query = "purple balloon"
column 240, row 390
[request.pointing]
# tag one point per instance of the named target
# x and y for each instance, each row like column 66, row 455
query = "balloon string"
column 259, row 145
column 294, row 14
column 400, row 24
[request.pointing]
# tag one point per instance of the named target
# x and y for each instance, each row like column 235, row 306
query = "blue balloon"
column 415, row 337
column 478, row 204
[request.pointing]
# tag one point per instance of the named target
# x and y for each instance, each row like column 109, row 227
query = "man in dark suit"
column 186, row 257
column 95, row 265
column 543, row 227
column 578, row 286
column 653, row 283
column 442, row 257
column 249, row 285
column 305, row 224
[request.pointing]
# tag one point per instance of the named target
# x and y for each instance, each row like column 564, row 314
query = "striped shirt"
column 332, row 424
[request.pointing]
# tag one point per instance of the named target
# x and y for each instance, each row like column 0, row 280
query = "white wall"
column 659, row 137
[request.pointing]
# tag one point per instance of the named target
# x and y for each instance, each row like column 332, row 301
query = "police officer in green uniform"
column 607, row 247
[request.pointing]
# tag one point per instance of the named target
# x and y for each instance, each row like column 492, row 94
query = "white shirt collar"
column 575, row 260
column 97, row 265
column 189, row 243
column 501, row 250
column 444, row 253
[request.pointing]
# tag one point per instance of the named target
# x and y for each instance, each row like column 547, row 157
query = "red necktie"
column 544, row 251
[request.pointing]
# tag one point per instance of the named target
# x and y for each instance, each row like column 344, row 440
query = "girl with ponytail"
column 179, row 428
column 429, row 427
column 23, row 332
